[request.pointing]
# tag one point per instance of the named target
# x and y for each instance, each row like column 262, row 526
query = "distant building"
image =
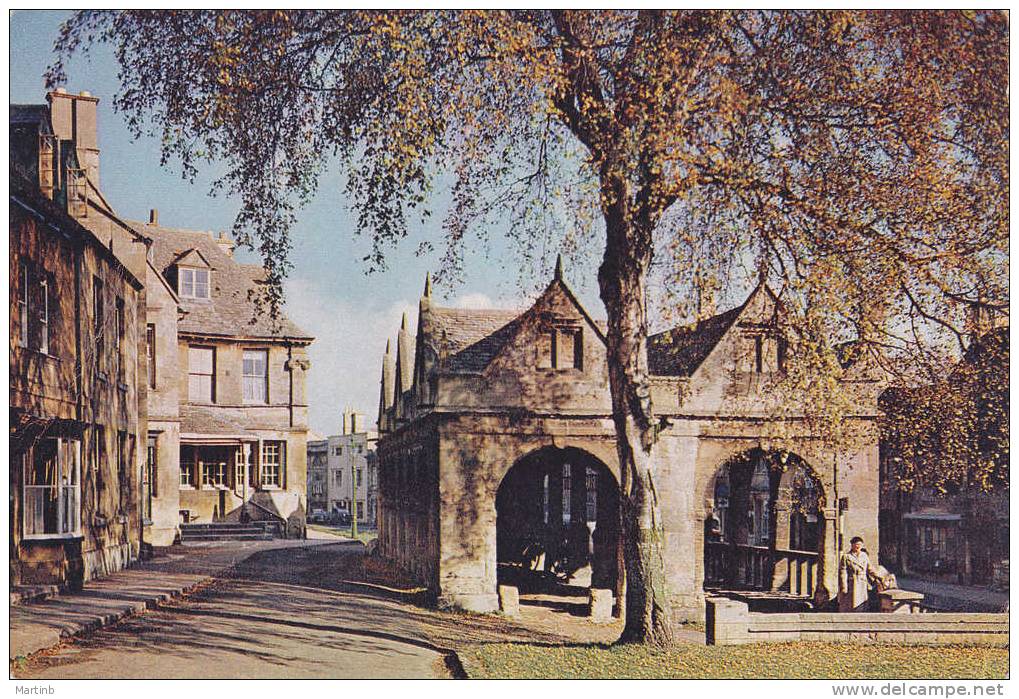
column 960, row 535
column 342, row 469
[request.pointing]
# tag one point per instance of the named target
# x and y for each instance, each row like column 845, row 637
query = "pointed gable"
column 682, row 350
column 192, row 257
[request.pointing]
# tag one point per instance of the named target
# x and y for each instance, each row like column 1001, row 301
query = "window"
column 149, row 478
column 44, row 314
column 561, row 348
column 51, row 488
column 239, row 463
column 99, row 310
column 187, row 468
column 544, row 501
column 759, row 354
column 123, row 485
column 567, row 484
column 256, row 376
column 194, row 283
column 274, row 455
column 358, row 478
column 591, row 485
column 214, row 474
column 150, row 340
column 337, row 451
column 201, row 374
column 99, row 462
column 338, row 477
column 118, row 338
column 23, row 279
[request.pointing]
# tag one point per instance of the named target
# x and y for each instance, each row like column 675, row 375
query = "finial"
column 387, row 346
column 559, row 267
column 428, row 285
column 403, row 323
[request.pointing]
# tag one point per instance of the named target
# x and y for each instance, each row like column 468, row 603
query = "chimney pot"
column 61, row 90
column 85, row 93
column 153, row 217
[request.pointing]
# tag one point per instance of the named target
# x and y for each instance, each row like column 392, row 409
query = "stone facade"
column 343, row 470
column 497, row 447
column 74, row 383
column 230, row 387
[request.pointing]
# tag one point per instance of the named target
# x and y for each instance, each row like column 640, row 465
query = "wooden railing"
column 760, row 568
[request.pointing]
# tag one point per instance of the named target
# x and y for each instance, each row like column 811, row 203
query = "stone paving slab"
column 39, row 625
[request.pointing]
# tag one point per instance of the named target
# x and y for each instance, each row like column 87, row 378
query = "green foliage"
column 778, row 661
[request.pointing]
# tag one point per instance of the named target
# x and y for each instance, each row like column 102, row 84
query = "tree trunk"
column 621, row 280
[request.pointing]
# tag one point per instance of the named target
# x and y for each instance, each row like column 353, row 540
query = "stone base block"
column 477, row 603
column 600, row 604
column 509, row 600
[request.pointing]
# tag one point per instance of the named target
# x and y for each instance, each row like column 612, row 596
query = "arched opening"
column 764, row 530
column 557, row 525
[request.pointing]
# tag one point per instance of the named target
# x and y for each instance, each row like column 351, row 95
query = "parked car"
column 318, row 517
column 341, row 518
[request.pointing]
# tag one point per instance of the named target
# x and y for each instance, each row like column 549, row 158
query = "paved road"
column 288, row 613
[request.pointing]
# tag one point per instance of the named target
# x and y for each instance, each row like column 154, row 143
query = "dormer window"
column 193, row 283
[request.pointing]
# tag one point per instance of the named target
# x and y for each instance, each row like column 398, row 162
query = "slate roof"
column 230, row 311
column 29, row 113
column 469, row 337
column 679, row 351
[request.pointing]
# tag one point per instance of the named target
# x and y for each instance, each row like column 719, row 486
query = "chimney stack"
column 75, row 119
column 153, row 217
column 226, row 244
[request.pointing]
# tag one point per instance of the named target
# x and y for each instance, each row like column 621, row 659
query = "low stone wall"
column 731, row 623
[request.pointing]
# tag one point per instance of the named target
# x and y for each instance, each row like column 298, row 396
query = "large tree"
column 857, row 159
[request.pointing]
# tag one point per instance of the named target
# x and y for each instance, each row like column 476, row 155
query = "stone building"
column 229, row 414
column 343, row 470
column 960, row 535
column 74, row 375
column 497, row 457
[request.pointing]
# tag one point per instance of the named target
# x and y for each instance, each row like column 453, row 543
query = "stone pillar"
column 781, row 510
column 467, row 527
column 828, row 559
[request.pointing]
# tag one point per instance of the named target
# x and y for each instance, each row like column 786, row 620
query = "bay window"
column 51, row 489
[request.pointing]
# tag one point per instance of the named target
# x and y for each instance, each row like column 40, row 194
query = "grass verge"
column 786, row 661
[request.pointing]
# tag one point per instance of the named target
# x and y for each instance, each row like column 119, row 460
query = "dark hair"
column 855, row 539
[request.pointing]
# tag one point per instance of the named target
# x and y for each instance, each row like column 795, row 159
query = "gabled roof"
column 231, row 310
column 469, row 338
column 192, row 258
column 679, row 351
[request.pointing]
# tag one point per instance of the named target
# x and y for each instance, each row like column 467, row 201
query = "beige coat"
column 854, row 570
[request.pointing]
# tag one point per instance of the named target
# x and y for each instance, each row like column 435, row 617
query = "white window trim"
column 263, row 378
column 44, row 315
column 182, row 272
column 24, row 305
column 76, row 533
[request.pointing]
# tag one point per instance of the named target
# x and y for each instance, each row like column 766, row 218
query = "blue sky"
column 329, row 295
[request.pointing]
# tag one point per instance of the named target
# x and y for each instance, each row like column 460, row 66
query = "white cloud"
column 346, row 356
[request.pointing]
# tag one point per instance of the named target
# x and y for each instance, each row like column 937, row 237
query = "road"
column 288, row 613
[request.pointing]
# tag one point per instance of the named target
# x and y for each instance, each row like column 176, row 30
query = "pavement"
column 301, row 609
column 44, row 617
column 947, row 597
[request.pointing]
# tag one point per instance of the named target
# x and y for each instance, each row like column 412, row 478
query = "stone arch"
column 557, row 523
column 760, row 503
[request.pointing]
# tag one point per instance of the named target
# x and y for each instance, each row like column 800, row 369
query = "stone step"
column 255, row 536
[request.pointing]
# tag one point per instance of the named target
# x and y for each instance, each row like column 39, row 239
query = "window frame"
column 192, row 373
column 256, row 379
column 184, row 272
column 99, row 321
column 27, row 461
column 44, row 313
column 268, row 467
column 150, row 353
column 24, row 303
column 148, row 480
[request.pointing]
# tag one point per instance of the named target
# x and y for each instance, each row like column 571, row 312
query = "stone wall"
column 730, row 623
